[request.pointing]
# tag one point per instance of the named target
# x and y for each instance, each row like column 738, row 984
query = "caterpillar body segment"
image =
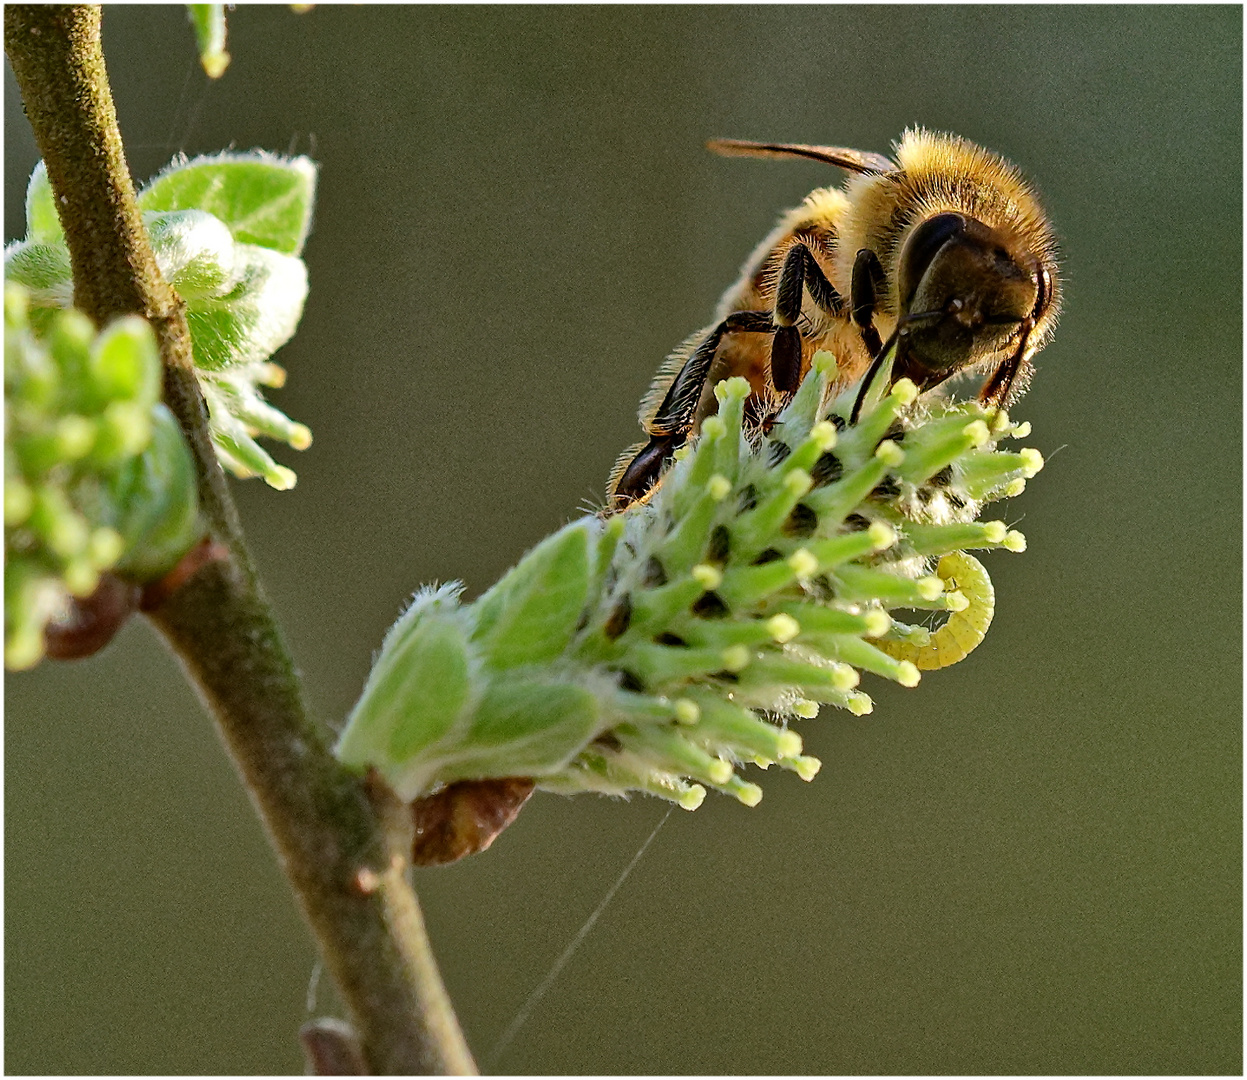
column 964, row 629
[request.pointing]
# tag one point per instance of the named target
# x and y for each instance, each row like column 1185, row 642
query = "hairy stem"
column 337, row 840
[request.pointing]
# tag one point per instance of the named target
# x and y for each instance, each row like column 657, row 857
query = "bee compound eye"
column 921, row 248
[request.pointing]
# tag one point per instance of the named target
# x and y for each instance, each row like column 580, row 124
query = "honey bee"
column 943, row 253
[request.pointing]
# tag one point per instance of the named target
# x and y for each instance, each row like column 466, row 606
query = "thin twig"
column 338, row 841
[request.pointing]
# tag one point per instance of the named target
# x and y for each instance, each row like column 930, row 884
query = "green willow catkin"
column 661, row 649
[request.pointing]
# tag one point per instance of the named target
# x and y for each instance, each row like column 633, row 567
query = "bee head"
column 965, row 296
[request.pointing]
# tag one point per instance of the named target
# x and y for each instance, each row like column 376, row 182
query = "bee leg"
column 786, row 359
column 799, row 272
column 673, row 420
column 1015, row 371
column 869, row 281
column 1000, row 384
column 675, row 413
column 644, row 470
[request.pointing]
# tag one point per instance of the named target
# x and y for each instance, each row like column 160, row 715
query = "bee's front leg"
column 1016, row 370
column 799, row 272
column 868, row 282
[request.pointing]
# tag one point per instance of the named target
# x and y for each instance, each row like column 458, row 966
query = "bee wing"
column 859, row 161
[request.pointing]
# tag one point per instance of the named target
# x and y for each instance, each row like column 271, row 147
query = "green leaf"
column 524, row 728
column 69, row 342
column 156, row 504
column 256, row 317
column 264, row 199
column 124, row 362
column 42, row 222
column 415, row 693
column 209, row 23
column 437, row 686
column 530, row 615
column 44, row 269
column 195, row 251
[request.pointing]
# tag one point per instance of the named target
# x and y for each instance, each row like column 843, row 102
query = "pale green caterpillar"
column 963, row 631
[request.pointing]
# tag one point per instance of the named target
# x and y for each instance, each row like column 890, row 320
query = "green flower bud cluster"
column 227, row 232
column 660, row 649
column 97, row 476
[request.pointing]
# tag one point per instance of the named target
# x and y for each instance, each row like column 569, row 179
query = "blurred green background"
column 1030, row 864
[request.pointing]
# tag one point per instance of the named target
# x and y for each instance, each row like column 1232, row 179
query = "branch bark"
column 341, row 843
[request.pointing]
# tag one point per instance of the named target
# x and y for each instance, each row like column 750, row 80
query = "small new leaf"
column 263, row 199
column 255, row 318
column 43, row 225
column 529, row 616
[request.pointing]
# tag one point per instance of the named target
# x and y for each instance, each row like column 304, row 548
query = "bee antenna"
column 872, row 373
